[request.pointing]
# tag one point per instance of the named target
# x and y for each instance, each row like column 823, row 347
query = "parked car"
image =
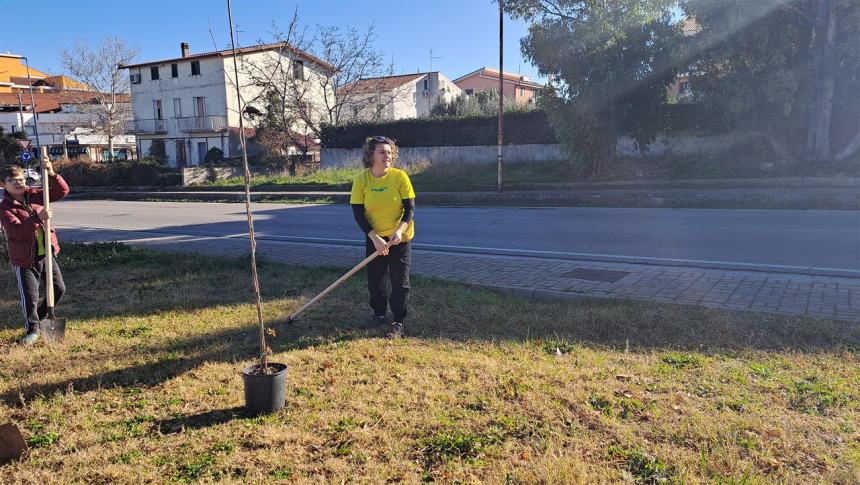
column 33, row 176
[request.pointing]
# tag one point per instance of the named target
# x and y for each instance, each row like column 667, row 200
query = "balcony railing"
column 148, row 126
column 201, row 123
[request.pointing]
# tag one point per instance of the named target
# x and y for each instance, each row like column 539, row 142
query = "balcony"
column 201, row 123
column 148, row 126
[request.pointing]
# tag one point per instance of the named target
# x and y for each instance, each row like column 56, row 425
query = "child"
column 22, row 214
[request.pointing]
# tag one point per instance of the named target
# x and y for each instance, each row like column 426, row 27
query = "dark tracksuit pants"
column 29, row 282
column 396, row 264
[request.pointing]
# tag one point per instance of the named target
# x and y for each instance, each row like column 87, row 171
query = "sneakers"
column 31, row 337
column 396, row 331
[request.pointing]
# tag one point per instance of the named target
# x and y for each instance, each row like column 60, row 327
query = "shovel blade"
column 53, row 329
column 12, row 444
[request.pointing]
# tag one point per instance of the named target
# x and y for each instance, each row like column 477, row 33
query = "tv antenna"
column 431, row 59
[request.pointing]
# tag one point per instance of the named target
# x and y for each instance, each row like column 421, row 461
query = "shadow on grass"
column 201, row 420
column 439, row 310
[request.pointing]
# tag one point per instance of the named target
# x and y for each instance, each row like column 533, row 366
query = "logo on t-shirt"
column 380, row 189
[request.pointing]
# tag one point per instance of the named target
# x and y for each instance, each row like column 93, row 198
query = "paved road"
column 525, row 250
column 803, row 242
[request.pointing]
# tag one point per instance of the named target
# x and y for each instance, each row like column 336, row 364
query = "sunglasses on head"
column 380, row 139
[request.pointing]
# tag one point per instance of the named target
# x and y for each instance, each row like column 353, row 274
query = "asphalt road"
column 806, row 242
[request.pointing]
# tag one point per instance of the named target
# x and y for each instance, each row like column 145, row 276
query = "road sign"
column 25, row 156
column 25, row 144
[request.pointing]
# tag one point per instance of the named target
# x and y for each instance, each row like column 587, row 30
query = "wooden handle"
column 334, row 285
column 49, row 252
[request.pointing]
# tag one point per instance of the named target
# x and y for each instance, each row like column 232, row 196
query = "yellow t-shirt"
column 383, row 200
column 40, row 242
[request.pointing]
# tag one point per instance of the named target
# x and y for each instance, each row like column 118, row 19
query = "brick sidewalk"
column 816, row 296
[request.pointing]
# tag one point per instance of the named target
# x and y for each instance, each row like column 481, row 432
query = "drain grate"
column 597, row 275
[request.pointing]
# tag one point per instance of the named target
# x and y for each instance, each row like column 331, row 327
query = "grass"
column 486, row 388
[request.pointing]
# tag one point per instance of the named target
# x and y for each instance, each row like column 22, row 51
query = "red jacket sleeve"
column 16, row 228
column 58, row 189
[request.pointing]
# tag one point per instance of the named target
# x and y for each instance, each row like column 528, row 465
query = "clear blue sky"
column 464, row 33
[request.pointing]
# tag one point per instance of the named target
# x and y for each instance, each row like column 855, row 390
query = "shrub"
column 521, row 127
column 147, row 171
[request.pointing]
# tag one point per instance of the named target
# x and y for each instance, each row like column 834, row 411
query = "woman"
column 383, row 203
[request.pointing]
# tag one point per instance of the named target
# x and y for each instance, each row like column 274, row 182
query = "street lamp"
column 33, row 104
column 501, row 91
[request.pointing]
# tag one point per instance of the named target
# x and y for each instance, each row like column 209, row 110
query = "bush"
column 147, row 171
column 214, row 155
column 520, row 128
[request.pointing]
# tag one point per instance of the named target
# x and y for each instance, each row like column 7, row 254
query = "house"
column 13, row 78
column 65, row 129
column 185, row 106
column 516, row 87
column 396, row 97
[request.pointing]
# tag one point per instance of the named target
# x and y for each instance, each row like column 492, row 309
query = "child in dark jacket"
column 22, row 214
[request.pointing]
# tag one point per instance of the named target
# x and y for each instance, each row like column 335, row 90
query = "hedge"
column 521, row 128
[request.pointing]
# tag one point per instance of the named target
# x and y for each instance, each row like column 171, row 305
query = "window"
column 425, row 84
column 299, row 70
column 156, row 109
column 177, row 108
column 134, row 77
column 470, row 92
column 195, row 68
column 153, row 73
column 522, row 92
column 174, row 70
column 199, row 106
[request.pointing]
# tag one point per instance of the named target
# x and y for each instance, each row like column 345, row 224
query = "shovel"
column 334, row 285
column 53, row 329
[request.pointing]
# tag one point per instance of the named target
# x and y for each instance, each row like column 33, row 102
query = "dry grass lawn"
column 486, row 388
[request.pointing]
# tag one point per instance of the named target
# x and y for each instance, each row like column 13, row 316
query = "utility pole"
column 33, row 104
column 501, row 90
column 21, row 112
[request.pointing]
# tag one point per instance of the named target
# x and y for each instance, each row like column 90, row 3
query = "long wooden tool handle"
column 49, row 252
column 334, row 285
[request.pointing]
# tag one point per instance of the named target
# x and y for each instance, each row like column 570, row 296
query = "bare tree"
column 107, row 87
column 312, row 79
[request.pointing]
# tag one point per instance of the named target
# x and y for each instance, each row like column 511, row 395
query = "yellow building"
column 13, row 78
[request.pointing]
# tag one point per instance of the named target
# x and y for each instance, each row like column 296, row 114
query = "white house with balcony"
column 185, row 106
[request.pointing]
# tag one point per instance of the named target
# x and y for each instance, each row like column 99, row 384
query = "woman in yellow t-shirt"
column 383, row 203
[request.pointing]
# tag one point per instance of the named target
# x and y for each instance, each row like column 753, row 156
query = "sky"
column 463, row 34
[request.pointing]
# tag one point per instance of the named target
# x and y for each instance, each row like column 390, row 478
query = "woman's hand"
column 45, row 214
column 49, row 167
column 397, row 237
column 379, row 243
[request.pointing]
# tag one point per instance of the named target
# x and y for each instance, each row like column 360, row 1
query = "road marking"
column 613, row 258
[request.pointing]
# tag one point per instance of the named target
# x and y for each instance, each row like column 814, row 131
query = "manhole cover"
column 597, row 275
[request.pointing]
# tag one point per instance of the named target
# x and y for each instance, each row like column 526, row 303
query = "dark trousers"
column 396, row 264
column 29, row 282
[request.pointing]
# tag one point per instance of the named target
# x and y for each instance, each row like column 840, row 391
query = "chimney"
column 184, row 47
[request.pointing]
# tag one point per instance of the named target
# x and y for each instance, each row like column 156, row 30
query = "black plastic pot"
column 265, row 393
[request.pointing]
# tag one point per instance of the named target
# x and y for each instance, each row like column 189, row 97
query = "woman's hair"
column 13, row 171
column 370, row 147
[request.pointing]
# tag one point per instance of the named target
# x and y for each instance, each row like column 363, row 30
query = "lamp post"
column 33, row 104
column 501, row 91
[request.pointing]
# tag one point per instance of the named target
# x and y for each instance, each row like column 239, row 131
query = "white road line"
column 616, row 258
